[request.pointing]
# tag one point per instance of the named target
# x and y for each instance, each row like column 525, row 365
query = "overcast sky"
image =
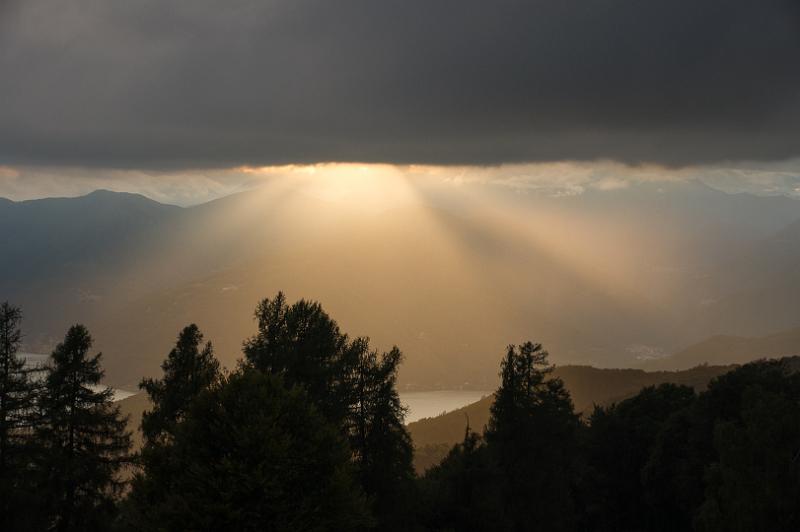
column 179, row 86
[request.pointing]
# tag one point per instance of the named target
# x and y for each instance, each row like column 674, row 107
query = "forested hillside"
column 588, row 387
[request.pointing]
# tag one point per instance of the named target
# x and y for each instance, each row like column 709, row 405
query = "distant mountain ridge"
column 588, row 386
column 64, row 257
column 726, row 349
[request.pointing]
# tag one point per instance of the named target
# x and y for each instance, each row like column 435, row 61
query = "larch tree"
column 382, row 448
column 532, row 434
column 83, row 438
column 17, row 415
column 350, row 384
column 252, row 454
column 190, row 368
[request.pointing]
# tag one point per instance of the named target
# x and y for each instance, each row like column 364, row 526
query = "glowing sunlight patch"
column 372, row 187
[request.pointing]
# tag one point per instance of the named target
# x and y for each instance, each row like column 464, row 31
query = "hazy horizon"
column 193, row 188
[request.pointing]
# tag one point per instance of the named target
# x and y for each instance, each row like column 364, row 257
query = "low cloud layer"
column 190, row 187
column 200, row 84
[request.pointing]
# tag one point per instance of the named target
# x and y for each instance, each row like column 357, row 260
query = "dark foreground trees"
column 381, row 446
column 307, row 434
column 616, row 447
column 83, row 439
column 532, row 434
column 520, row 475
column 62, row 441
column 189, row 369
column 664, row 460
column 464, row 491
column 731, row 460
column 251, row 454
column 17, row 417
column 353, row 387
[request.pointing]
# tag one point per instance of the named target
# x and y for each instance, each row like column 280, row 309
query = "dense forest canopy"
column 307, row 433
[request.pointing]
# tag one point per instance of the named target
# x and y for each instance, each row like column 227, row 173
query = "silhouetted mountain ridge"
column 728, row 349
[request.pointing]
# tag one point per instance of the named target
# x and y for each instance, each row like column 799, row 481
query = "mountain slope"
column 723, row 349
column 588, row 386
column 64, row 259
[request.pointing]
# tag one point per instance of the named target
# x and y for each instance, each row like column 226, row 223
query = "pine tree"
column 382, row 448
column 304, row 345
column 17, row 401
column 730, row 461
column 251, row 454
column 350, row 384
column 616, row 445
column 463, row 492
column 532, row 434
column 188, row 370
column 83, row 436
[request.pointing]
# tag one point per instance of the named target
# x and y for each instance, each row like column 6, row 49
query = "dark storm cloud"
column 135, row 83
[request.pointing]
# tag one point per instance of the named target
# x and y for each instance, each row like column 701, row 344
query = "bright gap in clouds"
column 382, row 185
column 373, row 187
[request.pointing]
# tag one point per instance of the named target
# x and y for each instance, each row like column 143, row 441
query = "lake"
column 430, row 404
column 34, row 360
column 419, row 404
